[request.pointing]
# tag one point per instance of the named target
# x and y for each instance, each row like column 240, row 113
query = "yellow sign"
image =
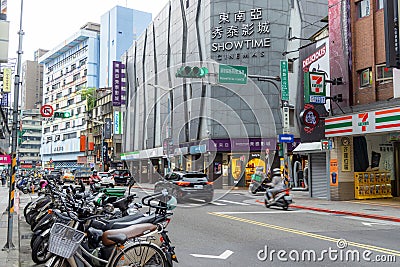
column 333, row 173
column 346, row 158
column 6, row 80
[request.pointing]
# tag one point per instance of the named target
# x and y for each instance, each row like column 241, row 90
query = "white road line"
column 260, row 212
column 223, row 256
column 217, row 204
column 234, row 202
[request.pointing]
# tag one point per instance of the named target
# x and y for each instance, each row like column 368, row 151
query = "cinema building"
column 225, row 120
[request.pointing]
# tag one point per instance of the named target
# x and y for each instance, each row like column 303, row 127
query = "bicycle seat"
column 120, row 236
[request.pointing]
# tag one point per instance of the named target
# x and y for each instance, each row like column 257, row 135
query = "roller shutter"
column 318, row 175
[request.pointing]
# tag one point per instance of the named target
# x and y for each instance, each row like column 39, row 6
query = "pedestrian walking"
column 3, row 178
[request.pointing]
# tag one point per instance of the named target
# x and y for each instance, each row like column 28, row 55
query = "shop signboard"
column 378, row 121
column 333, row 170
column 107, row 128
column 118, row 84
column 314, row 88
column 242, row 144
column 198, row 149
column 5, row 159
column 346, row 158
column 117, row 122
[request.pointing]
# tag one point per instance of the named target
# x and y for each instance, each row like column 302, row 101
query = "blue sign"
column 198, row 149
column 286, row 138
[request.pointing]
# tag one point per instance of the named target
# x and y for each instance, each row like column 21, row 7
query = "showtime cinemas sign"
column 314, row 57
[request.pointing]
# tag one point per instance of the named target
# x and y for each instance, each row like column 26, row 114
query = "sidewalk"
column 10, row 257
column 379, row 209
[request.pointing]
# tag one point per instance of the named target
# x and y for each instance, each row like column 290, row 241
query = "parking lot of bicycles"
column 77, row 224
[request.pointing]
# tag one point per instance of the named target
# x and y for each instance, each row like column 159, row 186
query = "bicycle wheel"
column 141, row 255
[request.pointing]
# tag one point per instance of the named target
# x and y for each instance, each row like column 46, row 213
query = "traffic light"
column 191, row 72
column 62, row 115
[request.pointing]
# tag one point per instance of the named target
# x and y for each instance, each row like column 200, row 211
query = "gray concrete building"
column 222, row 123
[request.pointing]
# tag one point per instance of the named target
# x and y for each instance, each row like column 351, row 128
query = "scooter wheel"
column 285, row 207
column 266, row 204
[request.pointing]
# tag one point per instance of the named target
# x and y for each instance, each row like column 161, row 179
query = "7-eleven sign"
column 314, row 88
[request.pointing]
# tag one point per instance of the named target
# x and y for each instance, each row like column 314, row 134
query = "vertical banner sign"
column 284, row 81
column 7, row 80
column 82, row 143
column 107, row 129
column 90, row 142
column 117, row 122
column 116, row 84
column 346, row 159
column 334, row 181
column 4, row 101
column 3, row 6
column 105, row 152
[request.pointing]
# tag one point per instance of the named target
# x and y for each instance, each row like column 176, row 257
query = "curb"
column 351, row 213
column 343, row 212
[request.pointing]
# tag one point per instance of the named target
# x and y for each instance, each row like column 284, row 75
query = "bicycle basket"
column 64, row 240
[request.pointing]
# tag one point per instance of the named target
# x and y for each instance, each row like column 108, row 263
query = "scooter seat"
column 119, row 236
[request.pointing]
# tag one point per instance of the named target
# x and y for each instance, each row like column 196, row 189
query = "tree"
column 89, row 94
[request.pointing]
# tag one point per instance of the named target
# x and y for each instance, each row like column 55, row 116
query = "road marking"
column 371, row 223
column 234, row 202
column 303, row 233
column 226, row 254
column 258, row 212
column 218, row 204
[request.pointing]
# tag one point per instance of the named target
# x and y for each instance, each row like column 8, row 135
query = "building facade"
column 68, row 69
column 364, row 127
column 32, row 82
column 120, row 26
column 29, row 140
column 221, row 123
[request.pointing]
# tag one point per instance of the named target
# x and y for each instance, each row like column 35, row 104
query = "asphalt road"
column 235, row 230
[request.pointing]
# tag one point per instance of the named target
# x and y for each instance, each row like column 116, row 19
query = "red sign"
column 46, row 111
column 310, row 117
column 5, row 159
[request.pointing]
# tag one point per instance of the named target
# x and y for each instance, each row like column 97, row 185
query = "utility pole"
column 9, row 245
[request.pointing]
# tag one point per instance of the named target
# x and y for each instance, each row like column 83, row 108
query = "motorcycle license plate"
column 198, row 186
column 288, row 198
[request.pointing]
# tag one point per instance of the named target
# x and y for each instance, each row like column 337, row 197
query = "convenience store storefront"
column 367, row 149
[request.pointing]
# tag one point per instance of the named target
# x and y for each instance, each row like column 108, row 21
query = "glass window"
column 365, row 78
column 383, row 73
column 363, row 8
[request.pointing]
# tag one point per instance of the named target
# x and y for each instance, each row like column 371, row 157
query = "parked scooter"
column 282, row 197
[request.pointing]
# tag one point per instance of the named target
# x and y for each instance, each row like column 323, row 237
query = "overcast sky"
column 47, row 23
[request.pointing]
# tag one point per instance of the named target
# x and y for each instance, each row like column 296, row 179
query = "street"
column 237, row 230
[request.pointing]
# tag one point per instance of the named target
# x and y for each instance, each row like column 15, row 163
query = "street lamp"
column 169, row 130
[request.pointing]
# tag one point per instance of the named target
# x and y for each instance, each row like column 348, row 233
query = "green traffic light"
column 191, row 72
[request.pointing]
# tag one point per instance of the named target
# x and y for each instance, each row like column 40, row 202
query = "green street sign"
column 284, row 80
column 232, row 74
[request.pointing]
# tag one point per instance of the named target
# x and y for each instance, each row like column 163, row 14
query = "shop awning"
column 305, row 148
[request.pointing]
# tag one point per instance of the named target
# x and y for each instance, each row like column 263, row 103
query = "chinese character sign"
column 245, row 31
column 118, row 84
column 346, row 157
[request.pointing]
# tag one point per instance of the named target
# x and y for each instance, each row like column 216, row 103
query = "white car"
column 106, row 179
